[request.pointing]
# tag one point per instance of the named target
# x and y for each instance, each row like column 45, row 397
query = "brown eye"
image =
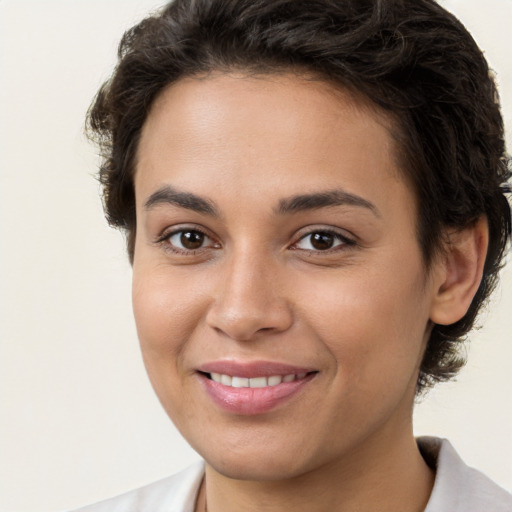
column 188, row 240
column 322, row 241
column 191, row 239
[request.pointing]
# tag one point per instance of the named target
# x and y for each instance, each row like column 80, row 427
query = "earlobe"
column 459, row 272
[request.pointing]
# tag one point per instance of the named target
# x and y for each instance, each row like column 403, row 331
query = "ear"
column 459, row 272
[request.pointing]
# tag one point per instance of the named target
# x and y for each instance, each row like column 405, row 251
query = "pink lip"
column 252, row 369
column 252, row 401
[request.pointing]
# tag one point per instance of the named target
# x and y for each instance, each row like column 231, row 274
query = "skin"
column 359, row 313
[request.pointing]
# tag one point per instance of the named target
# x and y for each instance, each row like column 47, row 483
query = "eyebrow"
column 325, row 199
column 302, row 202
column 169, row 195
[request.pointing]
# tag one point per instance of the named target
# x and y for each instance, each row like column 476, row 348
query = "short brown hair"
column 411, row 58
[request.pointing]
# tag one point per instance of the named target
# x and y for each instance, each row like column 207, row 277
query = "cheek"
column 373, row 323
column 165, row 313
column 166, row 318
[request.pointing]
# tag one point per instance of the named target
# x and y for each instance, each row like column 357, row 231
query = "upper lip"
column 252, row 369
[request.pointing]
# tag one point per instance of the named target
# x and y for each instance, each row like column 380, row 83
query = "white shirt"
column 457, row 488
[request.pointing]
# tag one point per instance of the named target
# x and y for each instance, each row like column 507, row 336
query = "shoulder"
column 177, row 493
column 458, row 487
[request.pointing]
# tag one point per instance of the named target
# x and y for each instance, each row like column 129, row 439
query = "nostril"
column 241, row 318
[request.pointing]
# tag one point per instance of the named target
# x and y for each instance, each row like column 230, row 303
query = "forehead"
column 256, row 101
column 264, row 133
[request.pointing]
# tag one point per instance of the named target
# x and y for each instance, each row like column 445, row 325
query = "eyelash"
column 165, row 240
column 344, row 241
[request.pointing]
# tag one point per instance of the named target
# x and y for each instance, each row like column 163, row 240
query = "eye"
column 185, row 240
column 322, row 241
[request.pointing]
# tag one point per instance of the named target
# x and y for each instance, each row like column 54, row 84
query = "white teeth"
column 258, row 382
column 275, row 380
column 254, row 382
column 226, row 380
column 240, row 382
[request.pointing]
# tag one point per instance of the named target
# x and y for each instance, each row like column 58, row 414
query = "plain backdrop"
column 79, row 421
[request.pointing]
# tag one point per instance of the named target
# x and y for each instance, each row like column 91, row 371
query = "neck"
column 380, row 476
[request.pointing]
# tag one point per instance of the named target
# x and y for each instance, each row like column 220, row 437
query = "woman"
column 314, row 200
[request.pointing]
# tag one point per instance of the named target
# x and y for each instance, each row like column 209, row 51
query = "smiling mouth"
column 255, row 388
column 254, row 382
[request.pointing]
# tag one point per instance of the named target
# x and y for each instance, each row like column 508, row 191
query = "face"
column 279, row 290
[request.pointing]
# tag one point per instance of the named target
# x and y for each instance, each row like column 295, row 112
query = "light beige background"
column 79, row 421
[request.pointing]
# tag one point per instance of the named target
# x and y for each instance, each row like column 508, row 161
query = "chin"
column 265, row 469
column 262, row 461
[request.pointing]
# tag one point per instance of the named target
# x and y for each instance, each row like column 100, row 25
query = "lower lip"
column 250, row 401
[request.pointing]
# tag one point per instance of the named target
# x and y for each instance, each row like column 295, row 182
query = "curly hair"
column 410, row 58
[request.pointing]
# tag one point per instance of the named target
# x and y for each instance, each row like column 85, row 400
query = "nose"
column 249, row 300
